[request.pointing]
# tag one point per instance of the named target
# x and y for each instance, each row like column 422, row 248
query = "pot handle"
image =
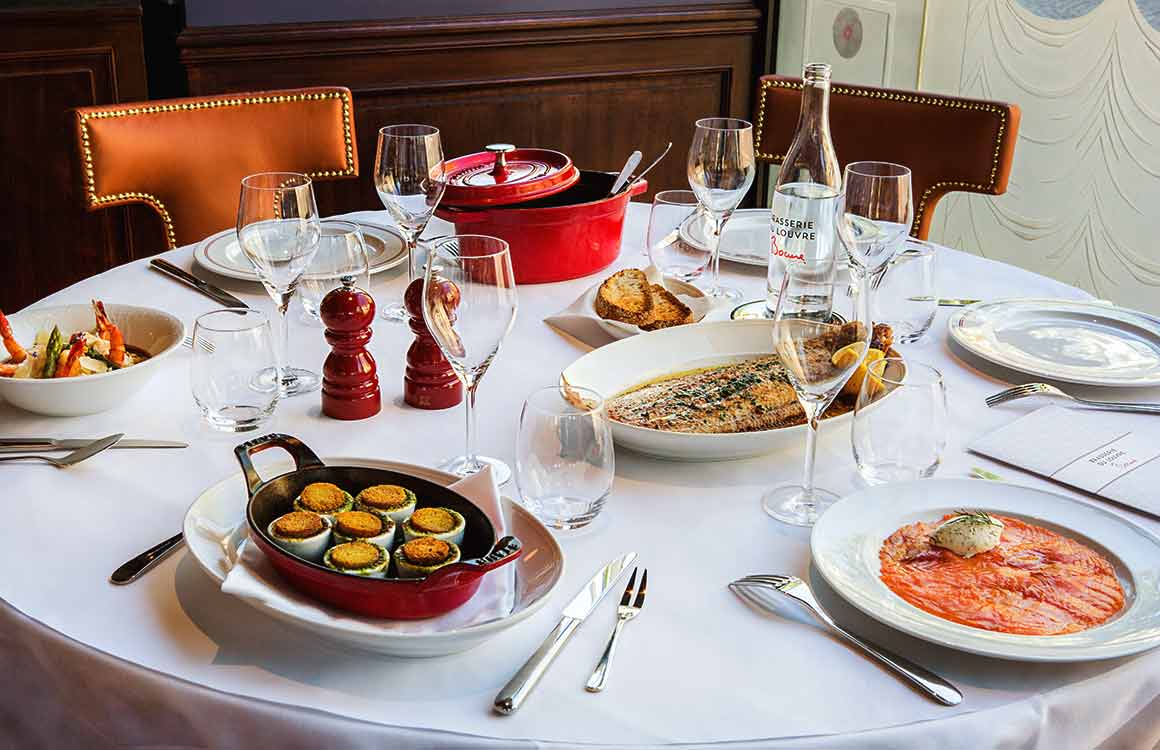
column 637, row 187
column 504, row 551
column 304, row 458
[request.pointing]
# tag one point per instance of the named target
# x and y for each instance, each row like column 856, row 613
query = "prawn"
column 7, row 370
column 16, row 353
column 108, row 330
column 70, row 366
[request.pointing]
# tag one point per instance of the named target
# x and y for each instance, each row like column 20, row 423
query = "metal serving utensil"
column 1043, row 389
column 795, row 588
column 80, row 454
column 629, row 165
column 627, row 610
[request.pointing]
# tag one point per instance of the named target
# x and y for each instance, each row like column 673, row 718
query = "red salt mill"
column 428, row 381
column 350, row 383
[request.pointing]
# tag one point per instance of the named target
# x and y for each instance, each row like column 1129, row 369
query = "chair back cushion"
column 949, row 143
column 186, row 157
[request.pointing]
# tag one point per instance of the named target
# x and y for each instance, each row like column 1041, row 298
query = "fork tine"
column 1019, row 391
column 772, row 579
column 643, row 586
column 627, row 597
column 752, row 595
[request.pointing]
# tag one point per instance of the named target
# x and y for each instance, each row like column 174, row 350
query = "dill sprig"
column 978, row 516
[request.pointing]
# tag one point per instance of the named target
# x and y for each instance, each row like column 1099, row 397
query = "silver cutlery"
column 627, row 610
column 133, row 569
column 1043, row 389
column 947, row 301
column 187, row 342
column 80, row 454
column 22, row 445
column 795, row 588
column 655, row 162
column 519, row 687
column 219, row 295
column 629, row 165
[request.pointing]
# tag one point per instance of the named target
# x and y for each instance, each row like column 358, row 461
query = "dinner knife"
column 217, row 294
column 20, row 445
column 513, row 694
column 946, row 301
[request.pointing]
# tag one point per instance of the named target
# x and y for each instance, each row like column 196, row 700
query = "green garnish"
column 52, row 352
column 977, row 516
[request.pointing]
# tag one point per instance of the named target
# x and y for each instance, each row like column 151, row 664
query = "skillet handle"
column 504, row 551
column 304, row 458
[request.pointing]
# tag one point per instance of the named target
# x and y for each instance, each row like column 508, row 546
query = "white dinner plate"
column 1074, row 341
column 616, row 367
column 745, row 240
column 846, row 540
column 215, row 527
column 221, row 253
column 619, row 330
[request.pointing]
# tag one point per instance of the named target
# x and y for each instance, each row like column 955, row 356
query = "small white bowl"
column 385, row 539
column 155, row 331
column 310, row 548
column 455, row 536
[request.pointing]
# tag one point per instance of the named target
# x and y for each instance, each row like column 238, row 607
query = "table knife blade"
column 22, row 445
column 219, row 295
column 516, row 691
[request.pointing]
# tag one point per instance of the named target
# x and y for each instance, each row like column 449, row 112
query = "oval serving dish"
column 390, row 597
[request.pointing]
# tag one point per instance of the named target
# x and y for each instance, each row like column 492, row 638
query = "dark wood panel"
column 52, row 62
column 593, row 84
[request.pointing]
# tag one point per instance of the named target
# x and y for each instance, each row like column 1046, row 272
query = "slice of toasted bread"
column 667, row 310
column 625, row 296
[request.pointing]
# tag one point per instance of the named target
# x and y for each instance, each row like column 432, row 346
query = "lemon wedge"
column 854, row 384
column 848, row 354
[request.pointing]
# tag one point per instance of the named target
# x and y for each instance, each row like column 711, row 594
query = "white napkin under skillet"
column 254, row 578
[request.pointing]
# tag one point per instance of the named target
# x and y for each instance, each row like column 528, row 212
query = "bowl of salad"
column 71, row 360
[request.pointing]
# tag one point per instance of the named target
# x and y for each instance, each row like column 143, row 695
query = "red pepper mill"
column 350, row 381
column 428, row 382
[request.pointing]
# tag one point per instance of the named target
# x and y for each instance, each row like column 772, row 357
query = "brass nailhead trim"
column 96, row 200
column 930, row 101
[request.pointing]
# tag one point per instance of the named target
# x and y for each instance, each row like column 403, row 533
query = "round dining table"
column 172, row 661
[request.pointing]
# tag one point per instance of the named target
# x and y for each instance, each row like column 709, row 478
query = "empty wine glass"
column 721, row 169
column 676, row 218
column 564, row 457
column 469, row 304
column 818, row 359
column 410, row 179
column 278, row 231
column 880, row 208
column 341, row 260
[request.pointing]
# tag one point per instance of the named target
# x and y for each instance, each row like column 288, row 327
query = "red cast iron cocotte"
column 393, row 598
column 574, row 231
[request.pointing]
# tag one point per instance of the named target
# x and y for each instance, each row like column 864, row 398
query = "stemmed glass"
column 410, row 179
column 341, row 260
column 879, row 209
column 469, row 305
column 721, row 170
column 818, row 357
column 676, row 213
column 278, row 230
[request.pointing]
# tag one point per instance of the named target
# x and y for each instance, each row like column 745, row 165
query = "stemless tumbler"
column 906, row 298
column 900, row 421
column 564, row 456
column 231, row 351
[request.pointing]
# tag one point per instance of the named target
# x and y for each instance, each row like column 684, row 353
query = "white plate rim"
column 476, row 632
column 878, row 603
column 744, row 214
column 201, row 254
column 954, row 324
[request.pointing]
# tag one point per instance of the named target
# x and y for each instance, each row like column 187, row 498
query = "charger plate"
column 846, row 540
column 215, row 528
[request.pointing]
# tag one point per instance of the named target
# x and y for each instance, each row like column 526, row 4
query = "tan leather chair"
column 185, row 158
column 950, row 144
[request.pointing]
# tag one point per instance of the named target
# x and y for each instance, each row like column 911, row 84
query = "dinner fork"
column 1043, row 389
column 187, row 342
column 625, row 612
column 795, row 588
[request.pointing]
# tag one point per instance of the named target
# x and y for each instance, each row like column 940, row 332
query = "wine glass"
column 469, row 305
column 341, row 260
column 677, row 216
column 410, row 179
column 721, row 169
column 818, row 357
column 278, row 231
column 880, row 209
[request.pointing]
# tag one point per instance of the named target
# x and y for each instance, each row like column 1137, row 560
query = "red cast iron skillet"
column 393, row 598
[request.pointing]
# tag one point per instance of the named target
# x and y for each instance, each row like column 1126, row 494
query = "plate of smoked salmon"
column 995, row 569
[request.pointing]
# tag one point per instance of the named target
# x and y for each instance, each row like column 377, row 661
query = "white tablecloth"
column 171, row 661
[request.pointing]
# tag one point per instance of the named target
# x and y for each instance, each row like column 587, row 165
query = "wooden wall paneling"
column 53, row 61
column 596, row 84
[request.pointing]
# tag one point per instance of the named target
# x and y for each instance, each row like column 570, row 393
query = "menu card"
column 1110, row 454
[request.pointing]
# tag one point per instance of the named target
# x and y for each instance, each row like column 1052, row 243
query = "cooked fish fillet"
column 740, row 397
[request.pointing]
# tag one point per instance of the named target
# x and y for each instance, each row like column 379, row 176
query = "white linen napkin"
column 254, row 578
column 1110, row 454
column 580, row 320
